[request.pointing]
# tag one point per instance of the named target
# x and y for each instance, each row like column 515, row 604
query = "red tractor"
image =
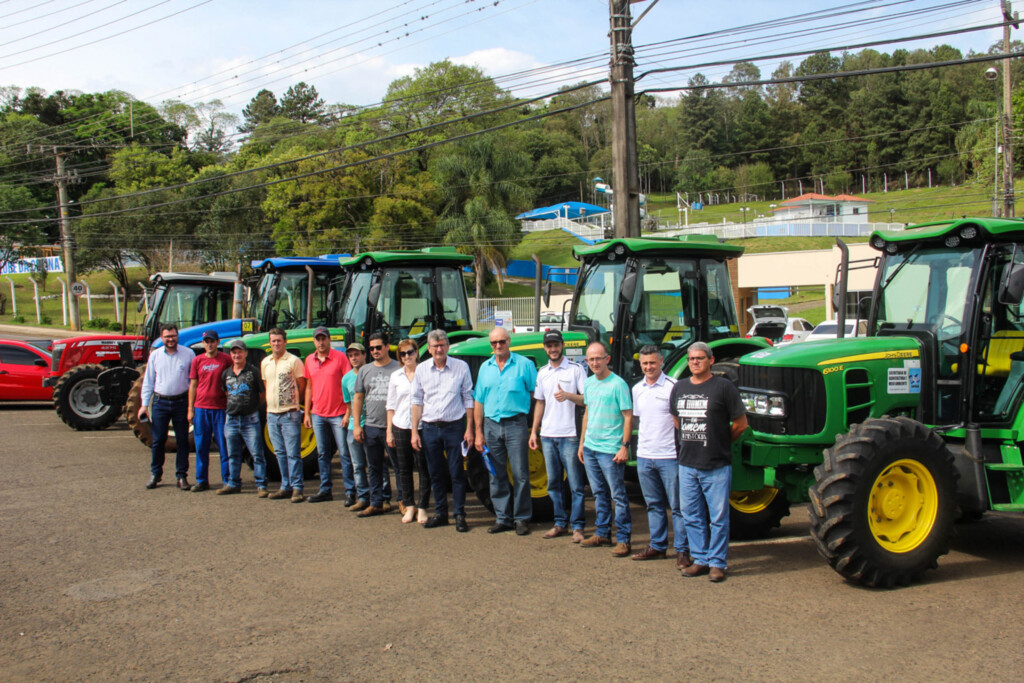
column 185, row 299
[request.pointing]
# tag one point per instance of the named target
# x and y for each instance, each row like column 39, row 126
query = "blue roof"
column 571, row 210
column 325, row 261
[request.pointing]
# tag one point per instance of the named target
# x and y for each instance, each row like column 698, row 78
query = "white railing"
column 585, row 230
column 742, row 231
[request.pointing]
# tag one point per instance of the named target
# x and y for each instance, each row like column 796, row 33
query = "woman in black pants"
column 399, row 434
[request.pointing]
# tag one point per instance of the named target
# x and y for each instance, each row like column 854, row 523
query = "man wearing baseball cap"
column 206, row 404
column 353, row 463
column 325, row 406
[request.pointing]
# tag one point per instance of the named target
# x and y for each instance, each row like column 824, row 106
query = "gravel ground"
column 101, row 579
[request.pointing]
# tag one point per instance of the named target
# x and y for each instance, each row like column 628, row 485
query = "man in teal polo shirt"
column 504, row 387
column 604, row 449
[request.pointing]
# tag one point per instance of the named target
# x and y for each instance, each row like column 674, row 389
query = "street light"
column 743, row 213
column 991, row 74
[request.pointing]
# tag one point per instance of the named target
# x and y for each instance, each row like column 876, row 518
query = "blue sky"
column 351, row 50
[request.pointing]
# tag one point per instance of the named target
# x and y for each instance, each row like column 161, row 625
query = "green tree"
column 482, row 194
column 303, row 103
column 261, row 109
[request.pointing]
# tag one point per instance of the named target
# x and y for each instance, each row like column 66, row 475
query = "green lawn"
column 553, row 247
column 51, row 308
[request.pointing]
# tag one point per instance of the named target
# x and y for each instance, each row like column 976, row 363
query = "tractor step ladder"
column 1006, row 480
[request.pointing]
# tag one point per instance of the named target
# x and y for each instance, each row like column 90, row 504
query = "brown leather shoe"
column 649, row 553
column 695, row 570
column 386, row 507
column 683, row 560
column 716, row 575
column 360, row 505
column 595, row 541
column 556, row 532
column 577, row 536
column 370, row 512
column 280, row 493
column 622, row 549
column 401, row 508
column 262, row 493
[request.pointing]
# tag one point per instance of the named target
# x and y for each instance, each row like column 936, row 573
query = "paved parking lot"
column 101, row 579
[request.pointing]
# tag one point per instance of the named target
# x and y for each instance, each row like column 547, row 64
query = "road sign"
column 78, row 288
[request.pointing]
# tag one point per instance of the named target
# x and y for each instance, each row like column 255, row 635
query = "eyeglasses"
column 410, row 352
column 499, row 342
column 697, row 359
column 376, row 348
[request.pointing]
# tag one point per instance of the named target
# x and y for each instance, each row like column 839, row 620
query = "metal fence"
column 589, row 232
column 742, row 231
column 486, row 310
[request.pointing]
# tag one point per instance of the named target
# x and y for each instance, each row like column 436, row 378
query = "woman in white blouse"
column 399, row 434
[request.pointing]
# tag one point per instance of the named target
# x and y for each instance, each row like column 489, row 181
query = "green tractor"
column 895, row 436
column 401, row 293
column 669, row 292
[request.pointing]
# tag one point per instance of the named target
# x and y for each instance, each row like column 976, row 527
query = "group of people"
column 425, row 417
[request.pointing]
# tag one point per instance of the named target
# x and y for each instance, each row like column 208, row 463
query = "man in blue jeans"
column 559, row 391
column 607, row 430
column 353, row 463
column 325, row 405
column 285, row 383
column 243, row 388
column 206, row 403
column 709, row 416
column 166, row 384
column 656, row 465
column 504, row 386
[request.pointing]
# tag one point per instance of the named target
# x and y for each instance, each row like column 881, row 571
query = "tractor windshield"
column 186, row 305
column 353, row 301
column 928, row 286
column 280, row 299
column 596, row 296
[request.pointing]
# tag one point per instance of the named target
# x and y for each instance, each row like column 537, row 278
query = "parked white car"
column 549, row 320
column 829, row 328
column 773, row 323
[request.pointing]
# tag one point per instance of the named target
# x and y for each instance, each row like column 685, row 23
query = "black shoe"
column 499, row 527
column 320, row 497
column 436, row 521
column 350, row 500
column 197, row 487
column 522, row 529
column 183, row 484
column 153, row 482
column 460, row 524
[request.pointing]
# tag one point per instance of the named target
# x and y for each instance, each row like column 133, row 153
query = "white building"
column 822, row 208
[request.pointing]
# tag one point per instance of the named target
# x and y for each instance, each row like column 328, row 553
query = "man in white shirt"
column 656, row 459
column 559, row 392
column 166, row 383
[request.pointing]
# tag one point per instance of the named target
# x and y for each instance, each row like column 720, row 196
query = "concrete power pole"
column 61, row 180
column 1008, row 199
column 625, row 171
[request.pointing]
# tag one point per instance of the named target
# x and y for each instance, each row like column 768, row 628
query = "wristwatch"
column 625, row 444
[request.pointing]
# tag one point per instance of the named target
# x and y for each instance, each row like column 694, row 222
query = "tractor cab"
column 292, row 292
column 665, row 292
column 404, row 294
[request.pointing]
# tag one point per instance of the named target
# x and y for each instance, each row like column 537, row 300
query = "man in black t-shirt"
column 708, row 416
column 243, row 387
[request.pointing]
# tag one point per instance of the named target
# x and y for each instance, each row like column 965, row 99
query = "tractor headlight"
column 769, row 405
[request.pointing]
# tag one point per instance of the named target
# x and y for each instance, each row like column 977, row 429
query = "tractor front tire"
column 753, row 514
column 883, row 503
column 76, row 398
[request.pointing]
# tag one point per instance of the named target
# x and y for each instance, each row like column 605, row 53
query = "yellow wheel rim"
column 751, row 502
column 903, row 505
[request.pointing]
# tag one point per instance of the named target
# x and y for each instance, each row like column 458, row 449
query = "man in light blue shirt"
column 166, row 383
column 504, row 388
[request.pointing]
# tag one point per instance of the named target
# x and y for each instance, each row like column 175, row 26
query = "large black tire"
column 883, row 504
column 753, row 514
column 142, row 430
column 76, row 398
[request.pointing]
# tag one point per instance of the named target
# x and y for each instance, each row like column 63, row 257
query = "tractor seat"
column 995, row 362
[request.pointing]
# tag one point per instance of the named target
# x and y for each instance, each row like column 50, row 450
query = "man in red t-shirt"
column 206, row 408
column 325, row 405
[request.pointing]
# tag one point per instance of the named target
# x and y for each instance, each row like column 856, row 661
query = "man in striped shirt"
column 442, row 400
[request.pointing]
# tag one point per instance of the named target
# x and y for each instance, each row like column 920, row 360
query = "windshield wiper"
column 908, row 259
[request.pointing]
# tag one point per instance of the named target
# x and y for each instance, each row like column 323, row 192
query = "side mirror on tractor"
column 1011, row 291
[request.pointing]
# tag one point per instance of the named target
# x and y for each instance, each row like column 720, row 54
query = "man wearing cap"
column 353, row 462
column 244, row 390
column 559, row 392
column 285, row 381
column 371, row 398
column 206, row 403
column 504, row 388
column 325, row 405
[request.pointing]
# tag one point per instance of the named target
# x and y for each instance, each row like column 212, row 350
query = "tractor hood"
column 836, row 354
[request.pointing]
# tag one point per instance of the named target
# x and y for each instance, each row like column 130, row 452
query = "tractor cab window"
column 455, row 308
column 664, row 312
column 405, row 305
column 597, row 297
column 353, row 302
column 999, row 343
column 721, row 307
column 189, row 305
column 292, row 295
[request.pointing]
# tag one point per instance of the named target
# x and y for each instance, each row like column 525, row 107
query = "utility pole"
column 625, row 171
column 1011, row 18
column 61, row 181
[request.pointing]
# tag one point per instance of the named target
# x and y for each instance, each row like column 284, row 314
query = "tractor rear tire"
column 753, row 514
column 884, row 502
column 143, row 430
column 76, row 398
